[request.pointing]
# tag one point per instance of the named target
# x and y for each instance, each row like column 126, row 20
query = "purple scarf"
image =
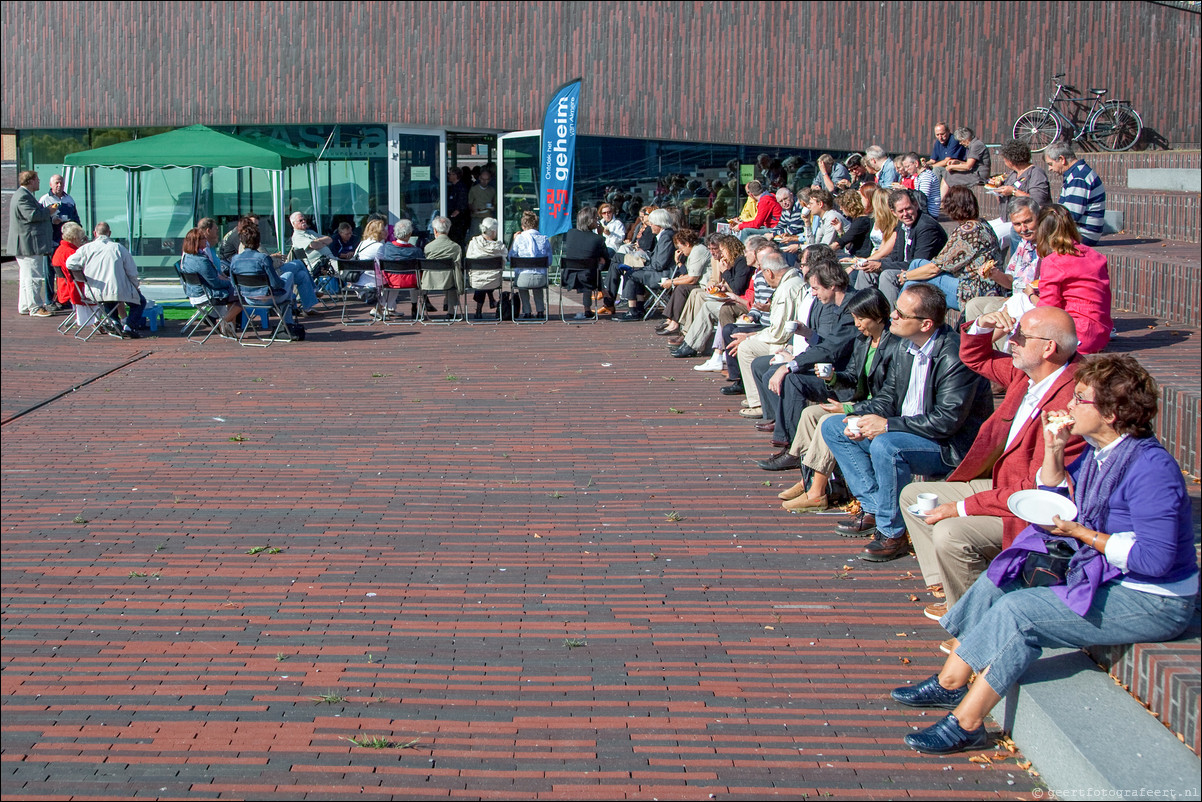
column 1088, row 570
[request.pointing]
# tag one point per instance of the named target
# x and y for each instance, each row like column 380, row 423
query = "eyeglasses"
column 897, row 313
column 1077, row 399
column 1025, row 336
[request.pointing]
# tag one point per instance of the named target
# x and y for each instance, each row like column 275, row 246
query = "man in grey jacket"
column 30, row 239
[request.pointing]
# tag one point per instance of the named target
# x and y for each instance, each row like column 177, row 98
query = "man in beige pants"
column 786, row 298
column 956, row 541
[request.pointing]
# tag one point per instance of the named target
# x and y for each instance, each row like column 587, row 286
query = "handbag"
column 1045, row 570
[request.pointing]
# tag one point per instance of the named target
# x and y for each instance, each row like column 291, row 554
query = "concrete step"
column 1084, row 732
column 1161, row 215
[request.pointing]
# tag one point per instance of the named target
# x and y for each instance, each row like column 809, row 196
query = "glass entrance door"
column 417, row 180
column 517, row 184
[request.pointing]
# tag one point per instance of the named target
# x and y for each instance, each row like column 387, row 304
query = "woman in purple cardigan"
column 1132, row 578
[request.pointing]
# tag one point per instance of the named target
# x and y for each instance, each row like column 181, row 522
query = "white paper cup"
column 825, row 370
column 791, row 326
column 853, row 425
column 927, row 502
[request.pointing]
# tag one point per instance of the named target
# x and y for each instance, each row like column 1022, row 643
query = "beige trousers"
column 808, row 443
column 749, row 349
column 954, row 551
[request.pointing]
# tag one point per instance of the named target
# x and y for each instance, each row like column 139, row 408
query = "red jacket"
column 65, row 290
column 1080, row 285
column 1011, row 469
column 767, row 213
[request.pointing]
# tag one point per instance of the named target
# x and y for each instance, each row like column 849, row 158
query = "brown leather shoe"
column 862, row 523
column 935, row 611
column 678, row 340
column 765, row 426
column 793, row 492
column 804, row 503
column 884, row 549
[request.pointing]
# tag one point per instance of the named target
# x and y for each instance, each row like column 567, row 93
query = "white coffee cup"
column 853, row 425
column 791, row 326
column 824, row 370
column 927, row 502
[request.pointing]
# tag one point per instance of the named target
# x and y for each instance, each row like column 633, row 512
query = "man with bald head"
column 956, row 541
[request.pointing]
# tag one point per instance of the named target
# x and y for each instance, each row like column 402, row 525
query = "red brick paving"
column 453, row 506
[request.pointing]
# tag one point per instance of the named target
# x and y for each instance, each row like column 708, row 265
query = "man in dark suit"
column 956, row 541
column 923, row 421
column 30, row 239
column 919, row 238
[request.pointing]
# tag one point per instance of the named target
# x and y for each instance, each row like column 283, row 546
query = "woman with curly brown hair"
column 1132, row 576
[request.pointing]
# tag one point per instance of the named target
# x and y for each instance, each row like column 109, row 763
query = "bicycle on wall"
column 1109, row 124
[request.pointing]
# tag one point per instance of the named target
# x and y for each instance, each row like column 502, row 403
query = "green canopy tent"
column 198, row 148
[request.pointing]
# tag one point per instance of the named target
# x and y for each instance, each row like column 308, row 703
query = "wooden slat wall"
column 838, row 75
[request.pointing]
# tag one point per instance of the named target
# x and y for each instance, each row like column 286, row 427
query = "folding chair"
column 531, row 274
column 256, row 295
column 407, row 273
column 209, row 305
column 98, row 317
column 446, row 269
column 349, row 271
column 658, row 296
column 72, row 321
column 488, row 264
column 568, row 267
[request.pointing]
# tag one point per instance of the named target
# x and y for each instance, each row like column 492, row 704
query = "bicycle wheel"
column 1038, row 128
column 1115, row 127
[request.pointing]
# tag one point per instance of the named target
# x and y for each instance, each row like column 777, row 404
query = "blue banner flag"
column 558, row 160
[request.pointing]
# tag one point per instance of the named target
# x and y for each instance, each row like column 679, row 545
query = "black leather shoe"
column 884, row 549
column 780, row 462
column 661, row 327
column 947, row 737
column 667, row 332
column 863, row 523
column 733, row 389
column 629, row 317
column 929, row 693
column 684, row 352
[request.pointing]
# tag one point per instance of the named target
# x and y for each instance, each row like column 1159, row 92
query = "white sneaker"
column 711, row 365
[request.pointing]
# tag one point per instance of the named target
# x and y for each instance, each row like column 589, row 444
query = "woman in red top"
column 1073, row 277
column 65, row 290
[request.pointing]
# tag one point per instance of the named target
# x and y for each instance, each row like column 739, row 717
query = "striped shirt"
column 1085, row 198
column 791, row 222
column 927, row 182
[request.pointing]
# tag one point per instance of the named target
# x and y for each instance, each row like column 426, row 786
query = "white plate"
column 1038, row 506
column 913, row 510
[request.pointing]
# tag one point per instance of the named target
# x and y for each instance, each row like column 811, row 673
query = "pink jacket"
column 1080, row 285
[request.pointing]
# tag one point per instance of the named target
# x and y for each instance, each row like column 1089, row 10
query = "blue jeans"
column 303, row 281
column 876, row 470
column 1006, row 629
column 945, row 282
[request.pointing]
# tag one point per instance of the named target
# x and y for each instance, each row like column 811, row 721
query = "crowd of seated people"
column 925, row 369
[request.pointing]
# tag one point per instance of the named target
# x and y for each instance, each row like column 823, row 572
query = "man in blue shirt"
column 945, row 147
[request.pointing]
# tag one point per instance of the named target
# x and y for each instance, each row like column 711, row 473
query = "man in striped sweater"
column 1082, row 192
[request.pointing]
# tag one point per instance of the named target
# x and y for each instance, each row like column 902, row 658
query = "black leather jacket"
column 956, row 404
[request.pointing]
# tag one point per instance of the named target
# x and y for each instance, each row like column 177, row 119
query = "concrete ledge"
column 1087, row 736
column 1164, row 180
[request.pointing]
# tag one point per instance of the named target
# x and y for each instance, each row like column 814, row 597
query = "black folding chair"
column 491, row 264
column 256, row 295
column 441, row 272
column 532, row 275
column 589, row 271
column 407, row 272
column 99, row 318
column 350, row 271
column 206, row 306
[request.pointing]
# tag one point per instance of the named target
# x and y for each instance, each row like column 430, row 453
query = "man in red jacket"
column 956, row 541
column 767, row 212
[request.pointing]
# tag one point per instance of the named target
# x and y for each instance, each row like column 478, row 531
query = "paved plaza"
column 523, row 562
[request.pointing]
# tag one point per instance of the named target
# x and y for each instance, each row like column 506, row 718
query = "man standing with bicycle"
column 1082, row 192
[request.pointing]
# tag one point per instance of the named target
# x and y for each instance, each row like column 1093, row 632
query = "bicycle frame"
column 1078, row 103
